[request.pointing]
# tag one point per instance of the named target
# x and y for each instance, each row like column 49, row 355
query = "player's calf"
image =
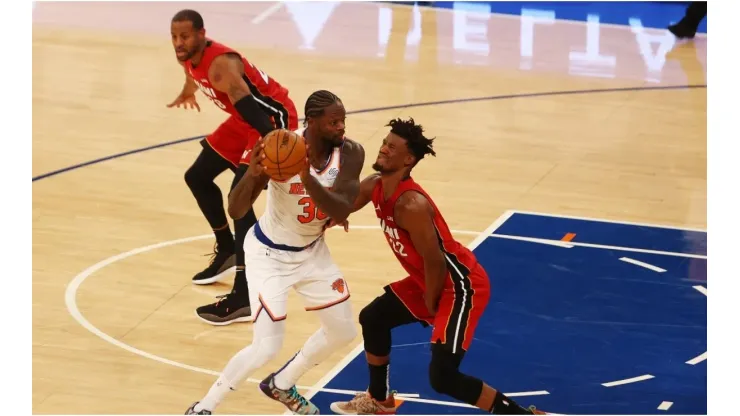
column 446, row 378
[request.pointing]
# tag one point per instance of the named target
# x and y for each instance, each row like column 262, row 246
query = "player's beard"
column 378, row 168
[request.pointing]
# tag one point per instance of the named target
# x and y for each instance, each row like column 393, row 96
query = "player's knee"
column 442, row 376
column 192, row 177
column 343, row 334
column 371, row 315
column 267, row 348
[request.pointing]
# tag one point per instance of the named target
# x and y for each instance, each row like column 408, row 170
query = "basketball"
column 285, row 152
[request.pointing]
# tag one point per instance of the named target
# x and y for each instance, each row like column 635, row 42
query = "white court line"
column 699, row 358
column 701, row 289
column 665, row 405
column 70, row 298
column 642, row 264
column 267, row 13
column 628, row 380
column 600, row 246
column 703, row 356
column 319, row 386
column 640, row 224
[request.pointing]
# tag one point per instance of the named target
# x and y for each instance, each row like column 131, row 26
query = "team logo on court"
column 338, row 285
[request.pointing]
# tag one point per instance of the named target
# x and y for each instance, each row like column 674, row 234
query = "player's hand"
column 431, row 304
column 305, row 173
column 333, row 223
column 256, row 156
column 186, row 101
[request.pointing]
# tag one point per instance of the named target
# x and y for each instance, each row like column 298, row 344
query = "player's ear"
column 409, row 160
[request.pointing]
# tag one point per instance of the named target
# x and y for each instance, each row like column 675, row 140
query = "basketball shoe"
column 229, row 308
column 293, row 400
column 220, row 265
column 364, row 404
column 191, row 410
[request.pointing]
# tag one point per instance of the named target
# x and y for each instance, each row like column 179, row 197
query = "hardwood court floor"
column 103, row 72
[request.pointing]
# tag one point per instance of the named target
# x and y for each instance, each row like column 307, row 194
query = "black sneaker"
column 229, row 309
column 683, row 30
column 220, row 266
column 191, row 410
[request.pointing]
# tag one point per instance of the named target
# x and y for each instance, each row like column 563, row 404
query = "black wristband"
column 254, row 115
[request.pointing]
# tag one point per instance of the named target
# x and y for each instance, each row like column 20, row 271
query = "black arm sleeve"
column 254, row 115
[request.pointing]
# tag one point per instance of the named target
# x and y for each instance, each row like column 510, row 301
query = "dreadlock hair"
column 317, row 102
column 191, row 16
column 413, row 133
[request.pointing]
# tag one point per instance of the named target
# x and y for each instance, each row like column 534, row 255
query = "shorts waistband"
column 266, row 241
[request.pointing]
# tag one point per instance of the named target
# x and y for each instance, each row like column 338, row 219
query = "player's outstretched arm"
column 249, row 187
column 339, row 202
column 366, row 191
column 226, row 74
column 414, row 214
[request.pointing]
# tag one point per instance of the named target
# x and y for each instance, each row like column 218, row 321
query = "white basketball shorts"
column 272, row 271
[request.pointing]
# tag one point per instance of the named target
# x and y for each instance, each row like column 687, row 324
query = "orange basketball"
column 285, row 153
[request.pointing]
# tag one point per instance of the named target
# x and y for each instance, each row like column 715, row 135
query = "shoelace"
column 213, row 255
column 297, row 397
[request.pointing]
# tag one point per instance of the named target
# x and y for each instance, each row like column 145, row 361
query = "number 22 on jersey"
column 310, row 211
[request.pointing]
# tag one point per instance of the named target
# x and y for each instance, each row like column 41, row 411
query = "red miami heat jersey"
column 459, row 259
column 268, row 92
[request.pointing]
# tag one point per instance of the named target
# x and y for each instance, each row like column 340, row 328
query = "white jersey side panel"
column 291, row 217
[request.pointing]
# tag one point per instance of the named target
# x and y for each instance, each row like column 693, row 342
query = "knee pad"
column 373, row 315
column 191, row 177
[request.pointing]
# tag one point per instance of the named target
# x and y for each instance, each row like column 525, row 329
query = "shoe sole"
column 224, row 323
column 216, row 278
column 336, row 409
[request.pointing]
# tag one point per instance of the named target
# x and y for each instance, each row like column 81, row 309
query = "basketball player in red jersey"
column 446, row 287
column 256, row 104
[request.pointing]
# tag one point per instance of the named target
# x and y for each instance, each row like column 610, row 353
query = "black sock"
column 224, row 240
column 503, row 405
column 240, row 285
column 379, row 381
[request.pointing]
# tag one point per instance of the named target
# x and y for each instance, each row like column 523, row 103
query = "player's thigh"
column 322, row 284
column 458, row 314
column 269, row 277
column 232, row 138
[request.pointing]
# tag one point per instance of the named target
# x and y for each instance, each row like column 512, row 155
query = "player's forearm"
column 332, row 204
column 243, row 195
column 190, row 87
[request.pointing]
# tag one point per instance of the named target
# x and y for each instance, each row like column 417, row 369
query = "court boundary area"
column 490, row 232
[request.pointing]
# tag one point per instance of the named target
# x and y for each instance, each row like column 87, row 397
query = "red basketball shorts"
column 234, row 138
column 460, row 307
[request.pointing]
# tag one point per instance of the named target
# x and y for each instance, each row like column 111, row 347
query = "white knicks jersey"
column 291, row 217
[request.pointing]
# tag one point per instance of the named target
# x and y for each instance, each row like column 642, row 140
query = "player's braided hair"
column 191, row 16
column 317, row 102
column 413, row 133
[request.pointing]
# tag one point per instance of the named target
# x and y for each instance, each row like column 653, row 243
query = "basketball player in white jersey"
column 286, row 249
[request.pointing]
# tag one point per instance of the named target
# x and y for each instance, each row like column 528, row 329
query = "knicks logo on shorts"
column 338, row 285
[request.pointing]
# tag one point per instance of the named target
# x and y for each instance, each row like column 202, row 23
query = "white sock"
column 215, row 395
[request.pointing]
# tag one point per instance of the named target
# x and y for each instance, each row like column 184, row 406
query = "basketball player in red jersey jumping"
column 446, row 287
column 256, row 104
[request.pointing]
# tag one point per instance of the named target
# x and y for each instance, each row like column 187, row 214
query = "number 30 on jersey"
column 310, row 211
